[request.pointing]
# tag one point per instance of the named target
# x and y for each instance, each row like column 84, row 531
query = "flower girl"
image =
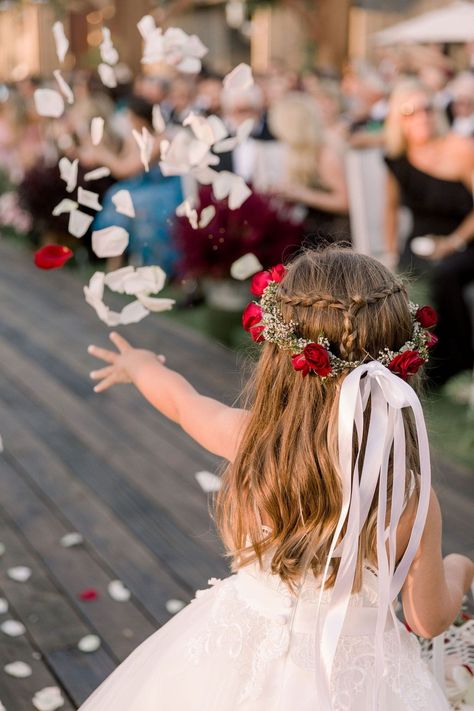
column 326, row 509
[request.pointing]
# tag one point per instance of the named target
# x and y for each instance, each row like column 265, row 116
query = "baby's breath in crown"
column 265, row 322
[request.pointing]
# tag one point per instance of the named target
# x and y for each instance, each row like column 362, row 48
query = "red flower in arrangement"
column 251, row 321
column 261, row 280
column 432, row 340
column 52, row 256
column 314, row 358
column 427, row 316
column 406, row 363
column 88, row 594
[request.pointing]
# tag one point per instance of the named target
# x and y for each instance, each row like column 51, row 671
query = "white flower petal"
column 97, row 130
column 209, row 130
column 184, row 207
column 48, row 699
column 116, row 280
column 156, row 304
column 205, row 176
column 148, row 280
column 146, row 26
column 239, row 193
column 145, row 143
column 123, row 203
column 65, row 205
column 108, row 53
column 245, row 267
column 64, row 86
column 118, row 591
column 239, row 79
column 107, row 75
column 222, row 184
column 3, row 605
column 173, row 606
column 20, row 670
column 89, row 199
column 110, row 242
column 89, row 643
column 158, row 121
column 71, row 539
column 228, row 144
column 133, row 313
column 97, row 173
column 245, row 129
column 61, row 41
column 12, row 628
column 79, row 223
column 68, row 172
column 49, row 102
column 208, row 481
column 20, row 573
column 207, row 215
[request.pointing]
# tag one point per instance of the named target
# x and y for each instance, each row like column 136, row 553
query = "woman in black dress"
column 431, row 173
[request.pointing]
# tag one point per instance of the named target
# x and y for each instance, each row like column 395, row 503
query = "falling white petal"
column 156, row 304
column 205, row 176
column 89, row 199
column 20, row 573
column 222, row 184
column 190, row 65
column 158, row 120
column 173, row 606
column 110, row 242
column 146, row 26
column 71, row 539
column 123, row 203
column 245, row 267
column 239, row 193
column 3, row 606
column 68, row 172
column 61, row 41
column 79, row 223
column 107, row 75
column 13, row 628
column 65, row 205
column 89, row 643
column 148, row 280
column 243, row 132
column 133, row 313
column 208, row 481
column 118, row 591
column 97, row 173
column 208, row 130
column 207, row 215
column 97, row 130
column 64, row 86
column 184, row 207
column 174, row 47
column 49, row 102
column 145, row 143
column 48, row 699
column 116, row 280
column 108, row 53
column 2, row 707
column 20, row 670
column 239, row 79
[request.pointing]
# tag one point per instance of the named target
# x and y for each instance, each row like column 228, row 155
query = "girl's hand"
column 444, row 246
column 121, row 364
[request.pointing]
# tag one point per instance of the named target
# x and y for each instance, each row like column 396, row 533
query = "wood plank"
column 121, row 625
column 16, row 694
column 105, row 533
column 52, row 623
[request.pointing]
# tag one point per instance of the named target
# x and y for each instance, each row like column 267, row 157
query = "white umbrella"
column 454, row 23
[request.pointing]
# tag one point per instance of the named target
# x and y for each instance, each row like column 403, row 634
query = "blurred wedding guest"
column 461, row 107
column 430, row 172
column 312, row 172
column 154, row 196
column 152, row 87
column 208, row 98
column 365, row 93
column 179, row 102
column 238, row 107
column 328, row 96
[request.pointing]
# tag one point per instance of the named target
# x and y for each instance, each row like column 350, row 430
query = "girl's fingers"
column 103, row 353
column 101, row 373
column 104, row 384
column 119, row 341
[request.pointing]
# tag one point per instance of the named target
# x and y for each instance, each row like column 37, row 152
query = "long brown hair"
column 286, row 468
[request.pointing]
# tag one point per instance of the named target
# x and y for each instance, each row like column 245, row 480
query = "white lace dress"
column 233, row 648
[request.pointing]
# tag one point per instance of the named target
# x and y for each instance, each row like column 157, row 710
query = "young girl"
column 325, row 509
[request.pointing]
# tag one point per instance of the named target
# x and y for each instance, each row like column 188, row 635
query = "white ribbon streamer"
column 389, row 395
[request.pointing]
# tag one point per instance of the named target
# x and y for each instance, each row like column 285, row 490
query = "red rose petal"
column 89, row 594
column 52, row 256
column 300, row 364
column 406, row 363
column 427, row 316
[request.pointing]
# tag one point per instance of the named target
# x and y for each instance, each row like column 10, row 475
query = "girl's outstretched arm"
column 212, row 424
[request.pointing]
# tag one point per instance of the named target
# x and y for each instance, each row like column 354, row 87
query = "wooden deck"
column 113, row 469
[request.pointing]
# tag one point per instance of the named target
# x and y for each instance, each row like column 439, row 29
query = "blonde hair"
column 395, row 142
column 286, row 469
column 296, row 121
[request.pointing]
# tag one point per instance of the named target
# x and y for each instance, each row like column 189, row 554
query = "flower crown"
column 265, row 322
